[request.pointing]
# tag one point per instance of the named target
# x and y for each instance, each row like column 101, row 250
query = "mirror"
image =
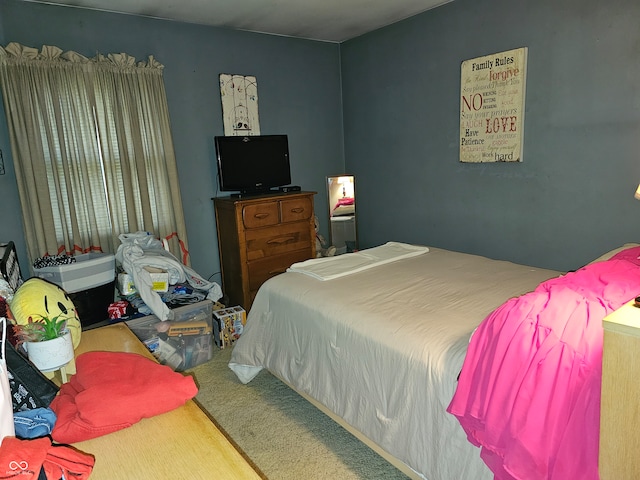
column 342, row 213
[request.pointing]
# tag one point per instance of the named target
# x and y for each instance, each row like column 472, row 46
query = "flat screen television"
column 253, row 164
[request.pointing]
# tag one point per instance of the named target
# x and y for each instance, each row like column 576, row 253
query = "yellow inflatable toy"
column 37, row 297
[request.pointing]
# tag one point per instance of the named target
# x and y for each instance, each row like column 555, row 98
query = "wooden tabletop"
column 180, row 444
column 624, row 320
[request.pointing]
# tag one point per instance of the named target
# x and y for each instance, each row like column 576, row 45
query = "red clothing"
column 114, row 390
column 23, row 459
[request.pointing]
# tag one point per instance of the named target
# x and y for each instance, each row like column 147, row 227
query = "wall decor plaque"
column 239, row 96
column 492, row 96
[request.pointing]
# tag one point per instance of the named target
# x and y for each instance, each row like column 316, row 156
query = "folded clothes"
column 114, row 390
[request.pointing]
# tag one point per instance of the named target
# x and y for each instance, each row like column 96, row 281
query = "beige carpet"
column 285, row 436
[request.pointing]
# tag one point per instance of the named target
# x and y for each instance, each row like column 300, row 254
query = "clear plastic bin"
column 182, row 343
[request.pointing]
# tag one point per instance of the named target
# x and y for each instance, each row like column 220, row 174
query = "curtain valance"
column 16, row 53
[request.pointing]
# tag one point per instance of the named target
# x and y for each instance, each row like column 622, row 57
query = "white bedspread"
column 329, row 268
column 382, row 348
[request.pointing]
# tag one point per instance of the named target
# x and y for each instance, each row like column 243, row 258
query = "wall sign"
column 492, row 93
column 239, row 96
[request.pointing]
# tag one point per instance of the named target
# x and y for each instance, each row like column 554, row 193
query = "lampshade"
column 637, row 194
column 347, row 185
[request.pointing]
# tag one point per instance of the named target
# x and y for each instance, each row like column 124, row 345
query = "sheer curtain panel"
column 92, row 149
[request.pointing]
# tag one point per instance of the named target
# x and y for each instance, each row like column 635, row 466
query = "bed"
column 381, row 349
column 344, row 206
column 343, row 225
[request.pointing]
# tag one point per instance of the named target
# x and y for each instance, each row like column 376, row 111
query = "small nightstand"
column 620, row 408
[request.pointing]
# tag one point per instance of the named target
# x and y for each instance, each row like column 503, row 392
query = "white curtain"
column 92, row 149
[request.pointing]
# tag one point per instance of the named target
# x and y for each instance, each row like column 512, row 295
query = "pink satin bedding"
column 344, row 201
column 529, row 389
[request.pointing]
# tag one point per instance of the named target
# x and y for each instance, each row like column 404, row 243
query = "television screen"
column 253, row 164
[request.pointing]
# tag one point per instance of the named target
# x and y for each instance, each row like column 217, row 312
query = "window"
column 92, row 149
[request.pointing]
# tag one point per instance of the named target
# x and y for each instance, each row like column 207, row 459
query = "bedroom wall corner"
column 570, row 200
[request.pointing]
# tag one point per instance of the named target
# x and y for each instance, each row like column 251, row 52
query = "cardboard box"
column 230, row 325
column 182, row 343
column 159, row 281
column 88, row 271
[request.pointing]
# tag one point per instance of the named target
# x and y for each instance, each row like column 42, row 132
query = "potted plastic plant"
column 46, row 340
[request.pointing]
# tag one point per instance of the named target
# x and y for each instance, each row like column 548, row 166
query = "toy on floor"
column 321, row 242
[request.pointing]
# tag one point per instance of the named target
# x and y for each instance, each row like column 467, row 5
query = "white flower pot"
column 51, row 354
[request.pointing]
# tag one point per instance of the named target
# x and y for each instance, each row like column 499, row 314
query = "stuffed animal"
column 321, row 242
column 37, row 298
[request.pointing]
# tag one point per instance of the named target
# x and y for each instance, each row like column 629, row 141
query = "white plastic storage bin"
column 182, row 343
column 89, row 270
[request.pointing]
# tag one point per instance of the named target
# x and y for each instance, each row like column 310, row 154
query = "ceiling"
column 327, row 20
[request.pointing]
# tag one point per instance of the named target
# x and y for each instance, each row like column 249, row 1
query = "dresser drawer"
column 262, row 270
column 294, row 209
column 259, row 237
column 265, row 242
column 260, row 214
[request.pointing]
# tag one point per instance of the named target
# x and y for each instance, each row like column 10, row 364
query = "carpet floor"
column 284, row 436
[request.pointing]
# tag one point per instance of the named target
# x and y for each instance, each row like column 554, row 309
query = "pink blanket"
column 529, row 389
column 345, row 201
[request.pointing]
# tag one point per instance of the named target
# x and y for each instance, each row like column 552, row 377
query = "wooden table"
column 620, row 405
column 183, row 443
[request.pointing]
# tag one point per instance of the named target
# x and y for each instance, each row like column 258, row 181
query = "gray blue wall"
column 298, row 94
column 572, row 196
column 397, row 92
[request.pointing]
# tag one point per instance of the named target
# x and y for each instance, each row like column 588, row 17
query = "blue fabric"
column 34, row 423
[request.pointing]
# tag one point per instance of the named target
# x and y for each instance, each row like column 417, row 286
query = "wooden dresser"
column 260, row 237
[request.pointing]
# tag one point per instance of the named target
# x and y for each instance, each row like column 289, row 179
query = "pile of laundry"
column 139, row 253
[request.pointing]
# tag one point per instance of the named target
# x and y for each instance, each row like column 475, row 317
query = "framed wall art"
column 492, row 99
column 239, row 96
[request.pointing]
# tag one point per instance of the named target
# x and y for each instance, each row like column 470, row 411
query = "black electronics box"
column 290, row 188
